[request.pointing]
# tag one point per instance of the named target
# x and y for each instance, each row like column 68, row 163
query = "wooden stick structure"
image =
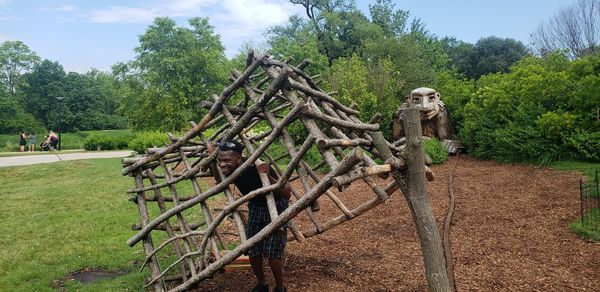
column 196, row 227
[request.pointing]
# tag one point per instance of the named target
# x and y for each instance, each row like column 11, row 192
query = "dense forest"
column 507, row 101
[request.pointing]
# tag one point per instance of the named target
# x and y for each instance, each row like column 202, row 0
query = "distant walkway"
column 50, row 157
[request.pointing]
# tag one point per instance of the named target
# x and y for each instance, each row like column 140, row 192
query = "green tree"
column 296, row 40
column 339, row 27
column 496, row 55
column 393, row 23
column 488, row 55
column 349, row 79
column 461, row 55
column 88, row 103
column 15, row 59
column 175, row 68
column 13, row 119
column 37, row 95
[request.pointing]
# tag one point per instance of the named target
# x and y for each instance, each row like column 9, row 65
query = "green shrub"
column 584, row 145
column 145, row 140
column 436, row 151
column 98, row 141
column 553, row 125
column 104, row 141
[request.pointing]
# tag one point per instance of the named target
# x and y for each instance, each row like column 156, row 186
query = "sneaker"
column 277, row 289
column 260, row 288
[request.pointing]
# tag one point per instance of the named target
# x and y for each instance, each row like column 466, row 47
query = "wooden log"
column 343, row 218
column 262, row 168
column 358, row 173
column 191, row 226
column 416, row 195
column 280, row 183
column 220, row 186
column 181, row 222
column 329, row 194
column 203, row 204
column 328, row 143
column 225, row 94
column 320, row 96
column 296, row 233
column 178, row 174
column 298, row 156
column 347, row 163
column 148, row 245
column 288, row 142
column 171, row 232
column 380, row 193
column 308, row 111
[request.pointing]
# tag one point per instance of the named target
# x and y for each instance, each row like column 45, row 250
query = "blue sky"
column 96, row 34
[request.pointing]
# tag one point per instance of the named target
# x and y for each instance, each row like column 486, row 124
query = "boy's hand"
column 211, row 147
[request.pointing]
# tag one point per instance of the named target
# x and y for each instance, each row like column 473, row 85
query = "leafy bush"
column 538, row 112
column 98, row 141
column 584, row 145
column 436, row 151
column 553, row 125
column 103, row 141
column 107, row 140
column 145, row 140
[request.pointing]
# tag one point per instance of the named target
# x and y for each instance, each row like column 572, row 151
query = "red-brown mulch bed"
column 509, row 233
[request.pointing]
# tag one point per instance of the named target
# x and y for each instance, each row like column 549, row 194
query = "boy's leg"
column 257, row 268
column 277, row 268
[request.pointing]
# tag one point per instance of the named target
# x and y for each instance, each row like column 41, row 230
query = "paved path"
column 47, row 158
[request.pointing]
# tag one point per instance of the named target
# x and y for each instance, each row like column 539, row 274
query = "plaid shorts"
column 271, row 247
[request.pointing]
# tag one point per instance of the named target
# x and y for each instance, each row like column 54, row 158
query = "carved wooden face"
column 428, row 99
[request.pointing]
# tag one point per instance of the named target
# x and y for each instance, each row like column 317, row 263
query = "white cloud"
column 259, row 13
column 9, row 18
column 237, row 21
column 122, row 14
column 61, row 8
column 241, row 20
column 147, row 13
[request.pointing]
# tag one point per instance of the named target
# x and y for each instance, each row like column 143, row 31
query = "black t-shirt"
column 249, row 181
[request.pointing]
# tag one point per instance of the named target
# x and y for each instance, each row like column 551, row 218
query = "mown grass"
column 10, row 142
column 590, row 228
column 61, row 217
column 587, row 168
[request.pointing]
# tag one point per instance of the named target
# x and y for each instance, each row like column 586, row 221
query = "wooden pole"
column 418, row 201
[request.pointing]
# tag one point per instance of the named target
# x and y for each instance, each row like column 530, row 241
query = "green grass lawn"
column 587, row 168
column 66, row 216
column 590, row 230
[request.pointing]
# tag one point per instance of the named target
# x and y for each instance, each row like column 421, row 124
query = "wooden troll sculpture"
column 197, row 217
column 435, row 122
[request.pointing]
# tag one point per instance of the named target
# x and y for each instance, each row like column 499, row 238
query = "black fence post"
column 581, row 199
column 597, row 223
column 597, row 191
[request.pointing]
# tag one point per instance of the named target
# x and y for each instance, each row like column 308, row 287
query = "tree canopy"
column 175, row 68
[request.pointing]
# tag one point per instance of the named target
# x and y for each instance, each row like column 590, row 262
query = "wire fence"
column 589, row 193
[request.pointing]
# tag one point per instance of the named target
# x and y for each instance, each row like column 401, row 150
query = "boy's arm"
column 286, row 191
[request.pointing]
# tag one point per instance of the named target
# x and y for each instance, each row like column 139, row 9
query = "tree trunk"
column 418, row 201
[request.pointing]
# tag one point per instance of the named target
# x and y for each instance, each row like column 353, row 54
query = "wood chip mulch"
column 509, row 233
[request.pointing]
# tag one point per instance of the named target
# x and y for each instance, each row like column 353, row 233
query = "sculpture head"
column 428, row 99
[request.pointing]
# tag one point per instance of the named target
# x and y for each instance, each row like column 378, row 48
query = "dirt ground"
column 509, row 233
